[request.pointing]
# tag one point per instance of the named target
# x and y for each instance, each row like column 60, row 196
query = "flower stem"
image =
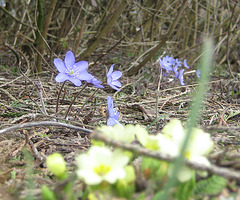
column 88, row 99
column 58, row 97
column 70, row 106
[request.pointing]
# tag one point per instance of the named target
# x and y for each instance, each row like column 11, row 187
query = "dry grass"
column 138, row 30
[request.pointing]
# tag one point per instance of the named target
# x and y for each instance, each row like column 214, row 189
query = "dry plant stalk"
column 105, row 29
column 41, row 44
column 162, row 42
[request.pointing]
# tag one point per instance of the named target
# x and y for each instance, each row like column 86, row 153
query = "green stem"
column 205, row 63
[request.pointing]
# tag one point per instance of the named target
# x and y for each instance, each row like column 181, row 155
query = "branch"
column 224, row 172
column 162, row 42
column 43, row 123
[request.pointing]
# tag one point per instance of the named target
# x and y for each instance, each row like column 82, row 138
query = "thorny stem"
column 58, row 97
column 86, row 102
column 70, row 106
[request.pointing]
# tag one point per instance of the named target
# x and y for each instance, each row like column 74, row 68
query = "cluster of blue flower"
column 74, row 72
column 168, row 64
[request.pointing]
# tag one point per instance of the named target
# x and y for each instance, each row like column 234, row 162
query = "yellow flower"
column 100, row 164
column 56, row 164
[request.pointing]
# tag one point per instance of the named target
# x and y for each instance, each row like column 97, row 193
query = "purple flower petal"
column 114, row 87
column 116, row 75
column 84, row 76
column 69, row 60
column 95, row 82
column 110, row 103
column 98, row 86
column 181, row 77
column 177, row 63
column 61, row 77
column 59, row 65
column 175, row 71
column 113, row 114
column 112, row 78
column 75, row 81
column 109, row 80
column 112, row 122
column 82, row 65
column 198, row 72
column 117, row 83
column 71, row 71
column 166, row 63
column 185, row 63
column 110, row 70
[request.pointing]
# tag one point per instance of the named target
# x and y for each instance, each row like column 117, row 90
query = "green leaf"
column 210, row 186
column 47, row 194
column 185, row 190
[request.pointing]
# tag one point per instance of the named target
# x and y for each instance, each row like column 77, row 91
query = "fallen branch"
column 43, row 123
column 224, row 172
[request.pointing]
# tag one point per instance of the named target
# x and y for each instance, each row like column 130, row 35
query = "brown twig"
column 70, row 106
column 224, row 172
column 42, row 123
column 162, row 42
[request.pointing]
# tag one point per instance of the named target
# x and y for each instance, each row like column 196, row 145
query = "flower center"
column 152, row 145
column 71, row 72
column 102, row 169
column 187, row 154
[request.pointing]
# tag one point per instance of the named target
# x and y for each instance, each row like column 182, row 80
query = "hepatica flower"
column 95, row 82
column 177, row 62
column 198, row 73
column 71, row 71
column 169, row 64
column 185, row 64
column 101, row 164
column 113, row 114
column 181, row 77
column 112, row 78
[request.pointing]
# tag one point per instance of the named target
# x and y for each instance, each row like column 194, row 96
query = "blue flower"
column 170, row 64
column 95, row 82
column 180, row 76
column 175, row 70
column 198, row 72
column 185, row 63
column 167, row 63
column 177, row 63
column 71, row 71
column 113, row 114
column 112, row 78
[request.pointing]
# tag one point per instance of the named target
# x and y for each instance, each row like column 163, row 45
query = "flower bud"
column 56, row 164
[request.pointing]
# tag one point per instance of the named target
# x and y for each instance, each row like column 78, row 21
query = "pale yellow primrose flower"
column 56, row 164
column 199, row 145
column 100, row 164
column 119, row 132
column 157, row 142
